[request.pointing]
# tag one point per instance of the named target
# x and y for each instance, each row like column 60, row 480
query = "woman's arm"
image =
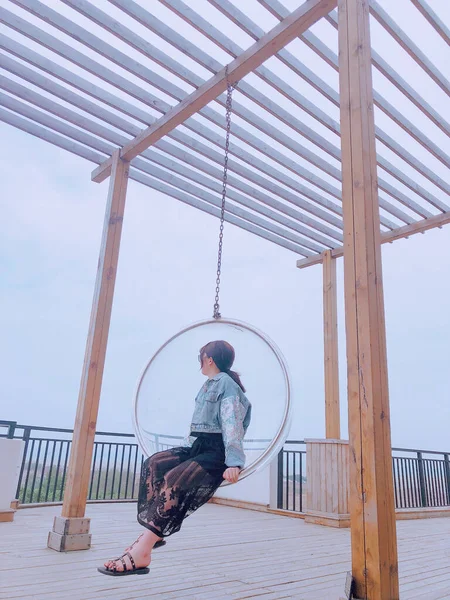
column 232, row 415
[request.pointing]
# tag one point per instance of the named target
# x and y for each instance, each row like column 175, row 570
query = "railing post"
column 280, row 480
column 422, row 483
column 11, row 430
column 447, row 475
column 26, row 438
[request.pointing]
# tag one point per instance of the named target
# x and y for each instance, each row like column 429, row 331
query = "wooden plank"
column 300, row 20
column 408, row 45
column 433, row 19
column 331, row 360
column 76, row 490
column 267, row 554
column 402, row 232
column 371, row 501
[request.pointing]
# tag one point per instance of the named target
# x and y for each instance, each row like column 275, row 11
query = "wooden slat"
column 303, row 561
column 238, row 17
column 433, row 19
column 331, row 361
column 91, row 380
column 403, row 86
column 84, row 152
column 408, row 45
column 391, row 236
column 371, row 502
column 185, row 139
column 277, row 38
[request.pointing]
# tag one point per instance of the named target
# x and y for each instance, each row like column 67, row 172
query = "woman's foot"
column 139, row 558
column 138, row 553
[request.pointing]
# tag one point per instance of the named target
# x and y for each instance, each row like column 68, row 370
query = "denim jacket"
column 222, row 407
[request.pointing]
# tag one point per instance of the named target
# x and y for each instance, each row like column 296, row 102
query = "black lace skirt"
column 176, row 482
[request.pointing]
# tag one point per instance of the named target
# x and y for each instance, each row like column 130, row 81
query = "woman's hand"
column 232, row 474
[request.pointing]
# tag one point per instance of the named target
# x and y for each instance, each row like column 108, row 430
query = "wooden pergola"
column 318, row 186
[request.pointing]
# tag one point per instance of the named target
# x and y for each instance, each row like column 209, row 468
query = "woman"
column 176, row 482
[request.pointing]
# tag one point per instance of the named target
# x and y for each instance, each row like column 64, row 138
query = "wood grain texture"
column 221, row 553
column 92, row 375
column 371, row 501
column 294, row 25
column 331, row 360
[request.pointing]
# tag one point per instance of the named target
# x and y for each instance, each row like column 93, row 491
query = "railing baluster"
column 280, row 479
column 395, row 475
column 447, row 476
column 422, row 484
column 134, row 473
column 57, row 469
column 66, row 460
column 114, row 472
column 100, row 469
column 26, row 438
column 301, row 481
column 35, row 470
column 42, row 472
column 121, row 470
column 294, row 481
column 411, row 483
column 51, row 470
column 439, row 482
column 287, row 480
column 128, row 469
column 28, row 472
column 94, row 461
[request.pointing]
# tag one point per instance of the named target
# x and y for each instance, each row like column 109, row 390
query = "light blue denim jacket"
column 222, row 407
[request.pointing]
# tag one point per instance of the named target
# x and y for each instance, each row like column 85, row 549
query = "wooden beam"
column 91, row 380
column 331, row 361
column 391, row 236
column 283, row 33
column 371, row 493
column 409, row 46
column 433, row 19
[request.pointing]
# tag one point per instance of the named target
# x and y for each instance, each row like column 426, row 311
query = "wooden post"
column 331, row 361
column 71, row 530
column 371, row 501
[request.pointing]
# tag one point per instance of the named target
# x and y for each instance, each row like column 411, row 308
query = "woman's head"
column 218, row 356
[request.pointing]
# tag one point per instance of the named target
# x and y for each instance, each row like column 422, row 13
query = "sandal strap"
column 124, row 563
column 131, row 560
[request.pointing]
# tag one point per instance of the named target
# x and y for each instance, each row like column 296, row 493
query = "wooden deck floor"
column 222, row 553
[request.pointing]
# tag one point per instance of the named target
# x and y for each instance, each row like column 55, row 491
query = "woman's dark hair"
column 223, row 355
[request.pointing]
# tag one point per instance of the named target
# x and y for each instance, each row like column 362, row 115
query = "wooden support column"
column 371, row 499
column 71, row 530
column 331, row 361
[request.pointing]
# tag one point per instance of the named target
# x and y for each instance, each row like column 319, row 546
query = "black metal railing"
column 116, row 464
column 421, row 478
column 291, row 477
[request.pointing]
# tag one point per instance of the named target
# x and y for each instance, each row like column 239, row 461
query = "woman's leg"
column 152, row 478
column 183, row 490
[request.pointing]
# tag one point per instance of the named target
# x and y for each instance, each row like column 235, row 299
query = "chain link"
column 216, row 314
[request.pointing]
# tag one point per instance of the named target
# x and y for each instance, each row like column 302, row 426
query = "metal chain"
column 216, row 314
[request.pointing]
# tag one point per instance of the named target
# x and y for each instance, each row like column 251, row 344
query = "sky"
column 51, row 230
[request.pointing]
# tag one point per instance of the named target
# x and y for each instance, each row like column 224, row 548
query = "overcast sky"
column 51, row 229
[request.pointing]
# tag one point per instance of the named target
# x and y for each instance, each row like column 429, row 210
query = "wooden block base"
column 7, row 515
column 327, row 519
column 69, row 543
column 14, row 504
column 69, row 534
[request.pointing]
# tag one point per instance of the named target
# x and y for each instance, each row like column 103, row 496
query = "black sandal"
column 133, row 571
